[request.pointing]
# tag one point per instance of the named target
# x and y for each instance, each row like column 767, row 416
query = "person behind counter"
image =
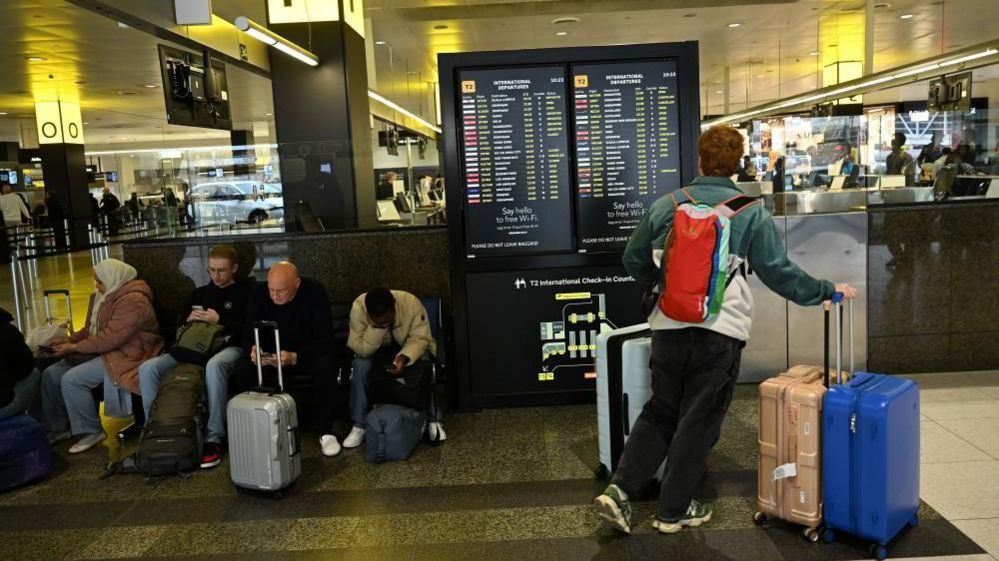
column 695, row 366
column 747, row 171
column 899, row 162
column 929, row 153
column 386, row 187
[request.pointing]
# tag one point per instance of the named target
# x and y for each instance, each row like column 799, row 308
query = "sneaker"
column 435, row 432
column 87, row 442
column 329, row 445
column 57, row 437
column 697, row 514
column 211, row 455
column 614, row 508
column 355, row 438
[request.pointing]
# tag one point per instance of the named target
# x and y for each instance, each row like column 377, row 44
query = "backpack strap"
column 735, row 205
column 682, row 196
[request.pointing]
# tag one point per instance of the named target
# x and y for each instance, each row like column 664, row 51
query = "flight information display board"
column 627, row 146
column 515, row 165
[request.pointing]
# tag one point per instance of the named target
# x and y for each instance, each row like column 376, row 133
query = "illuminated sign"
column 58, row 122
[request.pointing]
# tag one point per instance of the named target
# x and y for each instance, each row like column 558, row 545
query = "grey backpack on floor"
column 392, row 432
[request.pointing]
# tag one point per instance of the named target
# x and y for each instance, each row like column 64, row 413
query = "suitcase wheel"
column 759, row 519
column 828, row 535
column 879, row 552
column 601, row 473
column 811, row 534
column 915, row 521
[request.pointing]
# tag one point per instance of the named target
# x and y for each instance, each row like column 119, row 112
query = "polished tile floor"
column 509, row 484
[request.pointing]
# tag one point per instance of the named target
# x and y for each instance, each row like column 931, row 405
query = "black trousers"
column 693, row 374
column 318, row 379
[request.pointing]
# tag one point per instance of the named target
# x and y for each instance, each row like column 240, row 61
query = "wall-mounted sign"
column 58, row 122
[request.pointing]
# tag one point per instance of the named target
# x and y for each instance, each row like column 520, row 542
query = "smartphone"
column 198, row 308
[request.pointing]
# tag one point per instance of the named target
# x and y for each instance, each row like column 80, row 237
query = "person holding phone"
column 301, row 309
column 388, row 330
column 222, row 301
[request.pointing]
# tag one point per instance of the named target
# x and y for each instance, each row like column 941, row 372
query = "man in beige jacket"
column 386, row 319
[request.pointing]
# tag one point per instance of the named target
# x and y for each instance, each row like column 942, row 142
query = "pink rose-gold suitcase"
column 790, row 461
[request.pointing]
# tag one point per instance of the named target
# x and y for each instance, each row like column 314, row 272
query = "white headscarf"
column 114, row 274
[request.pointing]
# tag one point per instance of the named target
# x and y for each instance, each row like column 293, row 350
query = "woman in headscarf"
column 121, row 332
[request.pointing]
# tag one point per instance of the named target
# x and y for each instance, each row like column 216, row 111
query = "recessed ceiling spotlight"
column 3, row 112
column 882, row 5
column 268, row 114
column 36, row 58
column 565, row 21
column 813, row 53
column 150, row 85
column 56, row 45
column 905, row 16
column 38, row 16
column 719, row 91
column 86, row 123
column 379, row 42
column 734, row 25
column 440, row 27
column 127, row 92
column 690, row 15
column 561, row 33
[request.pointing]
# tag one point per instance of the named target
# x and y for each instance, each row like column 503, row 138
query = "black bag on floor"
column 412, row 389
column 172, row 438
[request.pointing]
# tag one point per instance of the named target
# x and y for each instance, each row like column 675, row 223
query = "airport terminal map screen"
column 565, row 157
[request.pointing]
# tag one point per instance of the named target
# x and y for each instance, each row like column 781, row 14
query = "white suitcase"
column 264, row 445
column 623, row 388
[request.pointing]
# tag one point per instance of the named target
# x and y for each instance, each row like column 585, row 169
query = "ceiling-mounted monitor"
column 950, row 93
column 195, row 96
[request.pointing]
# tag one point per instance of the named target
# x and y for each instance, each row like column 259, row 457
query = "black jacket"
column 306, row 323
column 230, row 302
column 16, row 361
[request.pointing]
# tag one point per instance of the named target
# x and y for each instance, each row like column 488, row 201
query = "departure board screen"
column 515, row 165
column 627, row 146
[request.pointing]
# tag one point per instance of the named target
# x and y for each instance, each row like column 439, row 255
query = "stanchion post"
column 17, row 295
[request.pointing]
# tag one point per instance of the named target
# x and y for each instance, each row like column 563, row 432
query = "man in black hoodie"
column 222, row 301
column 301, row 309
column 19, row 381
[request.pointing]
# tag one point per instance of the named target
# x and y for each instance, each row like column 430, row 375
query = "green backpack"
column 198, row 341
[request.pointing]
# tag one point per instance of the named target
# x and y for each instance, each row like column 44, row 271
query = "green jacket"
column 754, row 238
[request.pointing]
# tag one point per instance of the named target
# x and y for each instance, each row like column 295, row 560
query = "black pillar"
column 244, row 159
column 65, row 169
column 321, row 118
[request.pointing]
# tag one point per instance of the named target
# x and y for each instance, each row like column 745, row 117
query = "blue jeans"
column 359, row 405
column 217, row 372
column 67, row 397
column 25, row 397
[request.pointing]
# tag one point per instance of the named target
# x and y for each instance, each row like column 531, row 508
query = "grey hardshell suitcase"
column 264, row 445
column 624, row 385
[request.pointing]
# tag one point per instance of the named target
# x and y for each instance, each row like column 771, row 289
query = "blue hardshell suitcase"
column 870, row 465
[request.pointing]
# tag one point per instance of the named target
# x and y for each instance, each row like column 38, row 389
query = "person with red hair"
column 695, row 365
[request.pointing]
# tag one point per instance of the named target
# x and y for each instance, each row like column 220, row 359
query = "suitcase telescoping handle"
column 837, row 301
column 277, row 351
column 69, row 304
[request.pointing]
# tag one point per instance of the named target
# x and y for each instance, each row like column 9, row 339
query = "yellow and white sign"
column 58, row 122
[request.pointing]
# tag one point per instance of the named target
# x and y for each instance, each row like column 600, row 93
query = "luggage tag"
column 785, row 471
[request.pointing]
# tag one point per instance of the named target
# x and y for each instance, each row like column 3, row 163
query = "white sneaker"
column 329, row 445
column 355, row 438
column 87, row 442
column 435, row 432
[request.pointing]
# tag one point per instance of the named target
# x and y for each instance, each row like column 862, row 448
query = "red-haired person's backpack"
column 696, row 254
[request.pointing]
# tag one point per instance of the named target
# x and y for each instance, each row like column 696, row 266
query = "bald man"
column 301, row 309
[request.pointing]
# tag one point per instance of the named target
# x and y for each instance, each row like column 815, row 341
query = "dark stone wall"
column 347, row 263
column 933, row 276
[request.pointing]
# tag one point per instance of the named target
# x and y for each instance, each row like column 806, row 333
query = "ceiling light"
column 813, row 53
column 905, row 16
column 719, row 91
column 690, row 15
column 36, row 58
column 440, row 27
column 150, row 85
column 379, row 42
column 268, row 37
column 562, row 33
column 734, row 25
column 268, row 114
column 127, row 92
column 568, row 20
column 401, row 109
column 3, row 112
column 85, row 123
